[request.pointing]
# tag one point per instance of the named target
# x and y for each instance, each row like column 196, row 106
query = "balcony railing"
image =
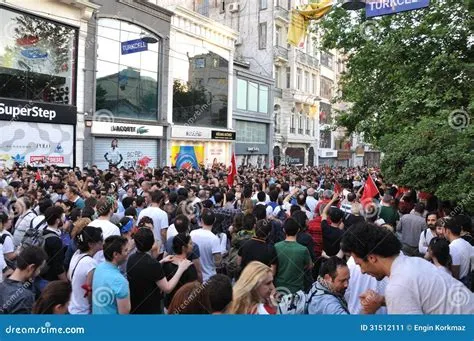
column 280, row 52
column 307, row 59
column 300, row 131
column 281, row 12
column 292, row 130
column 307, row 131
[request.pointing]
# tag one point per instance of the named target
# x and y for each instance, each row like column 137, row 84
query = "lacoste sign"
column 125, row 129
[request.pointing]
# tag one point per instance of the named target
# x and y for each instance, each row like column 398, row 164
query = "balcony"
column 292, row 130
column 280, row 53
column 304, row 58
column 307, row 132
column 300, row 131
column 281, row 14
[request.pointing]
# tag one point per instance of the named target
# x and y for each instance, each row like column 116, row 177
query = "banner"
column 187, row 156
column 36, row 144
column 125, row 152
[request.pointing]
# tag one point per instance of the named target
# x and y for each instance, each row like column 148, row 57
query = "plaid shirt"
column 225, row 217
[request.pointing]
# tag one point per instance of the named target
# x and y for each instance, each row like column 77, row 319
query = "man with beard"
column 415, row 286
column 428, row 234
column 327, row 293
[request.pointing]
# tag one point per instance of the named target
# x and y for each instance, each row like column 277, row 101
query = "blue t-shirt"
column 108, row 285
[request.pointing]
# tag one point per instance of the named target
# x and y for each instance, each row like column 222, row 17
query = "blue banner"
column 238, row 328
column 133, row 46
column 374, row 8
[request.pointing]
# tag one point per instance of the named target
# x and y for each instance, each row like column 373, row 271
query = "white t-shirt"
column 108, row 229
column 8, row 242
column 360, row 283
column 82, row 265
column 209, row 245
column 425, row 239
column 461, row 252
column 171, row 232
column 3, row 264
column 159, row 217
column 40, row 222
column 416, row 286
column 269, row 208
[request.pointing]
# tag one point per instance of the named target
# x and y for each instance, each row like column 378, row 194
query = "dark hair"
column 291, row 227
column 144, row 240
column 431, row 213
column 31, row 255
column 285, row 187
column 179, row 241
column 208, row 217
column 238, row 222
column 191, row 298
column 90, row 202
column 52, row 214
column 294, row 208
column 75, row 214
column 218, row 197
column 140, row 200
column 261, row 196
column 89, row 234
column 112, row 245
column 248, row 222
column 300, row 217
column 181, row 223
column 145, row 220
column 351, row 197
column 329, row 267
column 3, row 218
column 156, row 197
column 229, row 196
column 130, row 212
column 440, row 249
column 273, row 195
column 88, row 212
column 56, row 292
column 301, row 199
column 127, row 202
column 104, row 205
column 260, row 212
column 219, row 288
column 453, row 225
column 44, row 204
column 365, row 238
column 263, row 228
column 465, row 222
column 336, row 215
column 419, row 207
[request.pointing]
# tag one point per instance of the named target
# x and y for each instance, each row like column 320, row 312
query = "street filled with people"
column 284, row 240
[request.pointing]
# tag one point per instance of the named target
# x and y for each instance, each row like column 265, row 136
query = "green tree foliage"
column 409, row 79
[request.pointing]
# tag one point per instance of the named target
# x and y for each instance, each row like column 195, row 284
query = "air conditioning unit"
column 233, row 7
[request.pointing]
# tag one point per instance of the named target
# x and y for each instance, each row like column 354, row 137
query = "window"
column 298, row 78
column 327, row 59
column 288, row 77
column 276, row 123
column 326, row 88
column 325, row 139
column 251, row 132
column 203, row 7
column 292, row 124
column 325, row 114
column 263, row 4
column 307, row 125
column 241, row 94
column 300, row 124
column 262, row 35
column 277, row 35
column 252, row 104
column 314, row 128
column 263, row 99
column 313, row 84
column 306, row 81
column 252, row 96
column 36, row 58
column 127, row 83
column 277, row 77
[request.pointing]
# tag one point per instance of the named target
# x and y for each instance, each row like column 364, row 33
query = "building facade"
column 42, row 81
column 127, row 93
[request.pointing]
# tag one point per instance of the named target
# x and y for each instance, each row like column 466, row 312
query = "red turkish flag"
column 370, row 190
column 38, row 175
column 337, row 188
column 232, row 172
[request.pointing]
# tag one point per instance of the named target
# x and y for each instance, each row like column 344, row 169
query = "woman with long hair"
column 252, row 292
column 54, row 298
column 438, row 250
column 191, row 298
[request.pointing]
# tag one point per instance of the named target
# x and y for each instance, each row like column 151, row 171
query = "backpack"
column 295, row 304
column 282, row 214
column 232, row 269
column 35, row 237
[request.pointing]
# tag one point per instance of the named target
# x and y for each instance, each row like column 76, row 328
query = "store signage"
column 133, row 46
column 125, row 129
column 29, row 111
column 253, row 149
column 360, row 151
column 295, row 156
column 343, row 154
column 223, row 135
column 191, row 132
column 36, row 144
column 374, row 8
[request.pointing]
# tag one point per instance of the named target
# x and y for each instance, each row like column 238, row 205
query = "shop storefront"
column 200, row 147
column 126, row 145
column 37, row 90
column 294, row 156
column 327, row 157
column 251, row 148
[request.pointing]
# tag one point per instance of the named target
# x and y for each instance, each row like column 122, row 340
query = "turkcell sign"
column 133, row 46
column 375, row 8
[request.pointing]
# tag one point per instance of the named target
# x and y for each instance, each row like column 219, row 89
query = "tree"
column 409, row 79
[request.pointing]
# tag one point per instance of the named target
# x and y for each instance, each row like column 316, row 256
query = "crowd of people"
column 187, row 241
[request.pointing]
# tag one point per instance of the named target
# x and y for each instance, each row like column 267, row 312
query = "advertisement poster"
column 187, row 156
column 36, row 144
column 125, row 153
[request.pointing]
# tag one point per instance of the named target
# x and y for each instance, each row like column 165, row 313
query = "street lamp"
column 148, row 38
column 353, row 5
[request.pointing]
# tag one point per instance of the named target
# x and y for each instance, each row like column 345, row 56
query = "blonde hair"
column 79, row 226
column 245, row 295
column 247, row 206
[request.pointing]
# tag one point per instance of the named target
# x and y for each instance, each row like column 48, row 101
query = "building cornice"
column 85, row 6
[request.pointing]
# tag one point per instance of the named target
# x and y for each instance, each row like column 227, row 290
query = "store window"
column 36, row 58
column 252, row 96
column 200, row 86
column 251, row 132
column 127, row 70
